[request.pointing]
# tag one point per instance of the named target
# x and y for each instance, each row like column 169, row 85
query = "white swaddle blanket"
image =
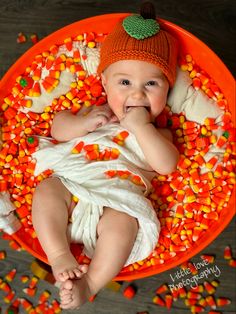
column 87, row 180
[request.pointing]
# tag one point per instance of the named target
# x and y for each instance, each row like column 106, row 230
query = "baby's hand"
column 135, row 118
column 97, row 117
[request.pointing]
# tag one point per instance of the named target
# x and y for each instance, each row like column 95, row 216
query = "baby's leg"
column 50, row 219
column 116, row 236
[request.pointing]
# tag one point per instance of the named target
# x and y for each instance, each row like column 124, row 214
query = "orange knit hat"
column 136, row 38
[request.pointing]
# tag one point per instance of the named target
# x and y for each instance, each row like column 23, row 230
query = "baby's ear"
column 104, row 81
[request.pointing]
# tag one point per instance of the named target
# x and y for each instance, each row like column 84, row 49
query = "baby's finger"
column 114, row 118
column 101, row 120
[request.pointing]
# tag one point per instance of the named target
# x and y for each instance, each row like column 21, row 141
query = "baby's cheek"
column 158, row 108
column 117, row 108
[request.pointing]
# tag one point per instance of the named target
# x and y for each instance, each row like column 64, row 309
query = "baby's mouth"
column 128, row 108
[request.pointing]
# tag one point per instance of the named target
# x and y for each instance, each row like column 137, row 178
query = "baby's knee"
column 118, row 222
column 125, row 227
column 50, row 189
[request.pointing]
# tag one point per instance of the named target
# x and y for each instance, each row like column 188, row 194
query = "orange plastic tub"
column 202, row 55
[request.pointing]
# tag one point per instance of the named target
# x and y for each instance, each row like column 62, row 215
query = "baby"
column 119, row 226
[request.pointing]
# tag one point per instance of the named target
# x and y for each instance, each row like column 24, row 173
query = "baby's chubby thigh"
column 51, row 190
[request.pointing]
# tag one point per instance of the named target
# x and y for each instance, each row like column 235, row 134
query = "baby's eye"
column 125, row 82
column 151, row 83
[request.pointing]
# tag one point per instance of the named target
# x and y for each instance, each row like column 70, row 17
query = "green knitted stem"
column 139, row 28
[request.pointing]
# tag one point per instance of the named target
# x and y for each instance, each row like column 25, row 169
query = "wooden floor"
column 110, row 302
column 212, row 21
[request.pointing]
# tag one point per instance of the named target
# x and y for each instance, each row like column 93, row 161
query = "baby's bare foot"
column 65, row 266
column 74, row 293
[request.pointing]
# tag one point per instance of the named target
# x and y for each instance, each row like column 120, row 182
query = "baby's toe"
column 61, row 277
column 78, row 273
column 83, row 268
column 67, row 285
column 71, row 274
column 72, row 305
column 66, row 299
column 64, row 292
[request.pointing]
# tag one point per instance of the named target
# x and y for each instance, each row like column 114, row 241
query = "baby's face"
column 132, row 83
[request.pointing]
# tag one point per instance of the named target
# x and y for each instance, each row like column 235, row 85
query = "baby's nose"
column 138, row 93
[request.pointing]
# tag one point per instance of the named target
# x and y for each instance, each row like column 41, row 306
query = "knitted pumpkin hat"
column 139, row 37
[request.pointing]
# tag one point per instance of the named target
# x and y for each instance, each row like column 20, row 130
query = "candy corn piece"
column 197, row 83
column 49, row 62
column 36, row 91
column 92, row 155
column 4, row 286
column 228, row 253
column 168, row 300
column 114, row 286
column 163, row 288
column 232, row 262
column 3, row 187
column 33, row 282
column 222, row 301
column 44, row 296
column 193, row 295
column 47, row 86
column 197, row 309
column 189, row 302
column 129, row 292
column 158, row 300
column 69, row 44
column 198, row 288
column 211, row 162
column 24, row 279
column 175, row 294
column 10, row 113
column 182, row 292
column 27, row 305
column 115, row 153
column 26, row 103
column 9, row 297
column 111, row 173
column 202, row 302
column 56, row 306
column 37, row 74
column 30, row 291
column 78, row 148
column 211, row 301
column 215, row 283
column 92, row 298
column 34, row 38
column 11, row 275
column 209, row 287
column 21, row 38
column 2, row 253
column 54, row 49
column 209, row 258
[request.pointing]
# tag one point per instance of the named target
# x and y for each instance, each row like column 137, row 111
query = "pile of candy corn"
column 189, row 202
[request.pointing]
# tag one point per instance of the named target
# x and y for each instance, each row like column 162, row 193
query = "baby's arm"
column 66, row 126
column 160, row 152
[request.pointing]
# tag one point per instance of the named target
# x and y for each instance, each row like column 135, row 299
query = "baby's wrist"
column 82, row 125
column 140, row 129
